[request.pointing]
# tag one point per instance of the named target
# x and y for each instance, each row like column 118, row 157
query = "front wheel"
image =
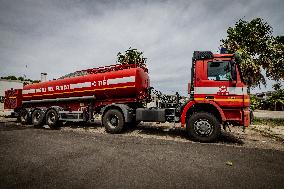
column 203, row 127
column 113, row 121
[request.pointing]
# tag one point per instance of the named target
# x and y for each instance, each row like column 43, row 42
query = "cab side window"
column 219, row 71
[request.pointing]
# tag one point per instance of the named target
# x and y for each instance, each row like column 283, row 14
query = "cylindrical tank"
column 131, row 82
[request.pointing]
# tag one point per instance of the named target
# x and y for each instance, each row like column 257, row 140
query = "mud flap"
column 246, row 118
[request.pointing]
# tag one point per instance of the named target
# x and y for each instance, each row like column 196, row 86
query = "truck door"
column 217, row 82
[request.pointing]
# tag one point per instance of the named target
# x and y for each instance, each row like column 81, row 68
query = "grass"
column 268, row 133
column 271, row 122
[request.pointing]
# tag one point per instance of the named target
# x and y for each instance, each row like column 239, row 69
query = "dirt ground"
column 250, row 138
column 255, row 136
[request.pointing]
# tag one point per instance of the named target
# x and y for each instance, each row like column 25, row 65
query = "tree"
column 259, row 50
column 27, row 81
column 277, row 86
column 255, row 103
column 276, row 100
column 10, row 77
column 21, row 78
column 276, row 68
column 131, row 56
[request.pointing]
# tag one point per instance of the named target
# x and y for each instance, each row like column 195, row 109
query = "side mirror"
column 234, row 83
column 234, row 73
column 188, row 88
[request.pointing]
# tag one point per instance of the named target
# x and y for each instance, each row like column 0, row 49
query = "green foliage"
column 277, row 86
column 26, row 81
column 271, row 122
column 21, row 78
column 276, row 100
column 276, row 68
column 255, row 103
column 258, row 49
column 10, row 77
column 1, row 99
column 131, row 56
column 273, row 102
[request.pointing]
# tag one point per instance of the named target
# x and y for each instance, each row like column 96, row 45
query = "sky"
column 59, row 37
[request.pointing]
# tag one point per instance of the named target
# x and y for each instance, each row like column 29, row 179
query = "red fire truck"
column 218, row 97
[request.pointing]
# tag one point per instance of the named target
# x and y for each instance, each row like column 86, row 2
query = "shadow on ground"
column 160, row 131
column 143, row 129
column 227, row 137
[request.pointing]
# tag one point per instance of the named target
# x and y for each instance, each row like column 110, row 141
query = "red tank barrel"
column 111, row 82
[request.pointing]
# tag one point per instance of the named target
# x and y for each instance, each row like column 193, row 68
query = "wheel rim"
column 203, row 127
column 37, row 117
column 51, row 118
column 113, row 121
column 24, row 117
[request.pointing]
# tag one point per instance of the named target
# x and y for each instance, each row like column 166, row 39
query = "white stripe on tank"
column 121, row 80
column 80, row 85
column 89, row 84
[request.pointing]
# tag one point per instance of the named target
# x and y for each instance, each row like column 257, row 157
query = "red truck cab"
column 217, row 89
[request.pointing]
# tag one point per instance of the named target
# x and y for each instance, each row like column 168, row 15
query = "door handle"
column 209, row 97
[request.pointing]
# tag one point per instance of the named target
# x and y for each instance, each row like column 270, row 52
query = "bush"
column 255, row 102
column 276, row 100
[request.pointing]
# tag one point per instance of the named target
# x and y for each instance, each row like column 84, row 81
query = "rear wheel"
column 113, row 121
column 37, row 118
column 203, row 127
column 52, row 119
column 24, row 117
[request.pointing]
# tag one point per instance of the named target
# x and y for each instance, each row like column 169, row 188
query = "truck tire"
column 24, row 117
column 37, row 118
column 113, row 121
column 203, row 127
column 52, row 119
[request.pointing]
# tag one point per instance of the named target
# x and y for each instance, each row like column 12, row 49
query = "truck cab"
column 216, row 90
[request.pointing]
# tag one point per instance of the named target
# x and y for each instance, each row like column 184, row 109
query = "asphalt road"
column 42, row 158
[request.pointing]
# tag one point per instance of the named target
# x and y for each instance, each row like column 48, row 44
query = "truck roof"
column 201, row 55
column 223, row 55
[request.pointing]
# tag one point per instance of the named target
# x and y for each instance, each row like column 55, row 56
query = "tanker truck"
column 217, row 98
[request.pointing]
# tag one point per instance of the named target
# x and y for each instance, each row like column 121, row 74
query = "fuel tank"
column 112, row 82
